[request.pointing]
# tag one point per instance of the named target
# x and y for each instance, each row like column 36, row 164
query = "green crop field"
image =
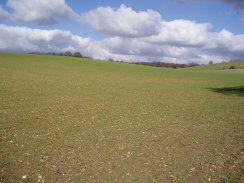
column 66, row 119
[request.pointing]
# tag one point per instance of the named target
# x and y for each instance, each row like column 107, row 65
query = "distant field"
column 221, row 66
column 67, row 119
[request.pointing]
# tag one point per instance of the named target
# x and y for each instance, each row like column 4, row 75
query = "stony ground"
column 77, row 120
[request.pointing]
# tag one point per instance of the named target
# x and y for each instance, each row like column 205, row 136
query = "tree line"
column 165, row 64
column 67, row 53
column 153, row 64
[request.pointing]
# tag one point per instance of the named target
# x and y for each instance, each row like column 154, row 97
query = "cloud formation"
column 43, row 12
column 27, row 39
column 217, row 46
column 181, row 33
column 132, row 36
column 123, row 22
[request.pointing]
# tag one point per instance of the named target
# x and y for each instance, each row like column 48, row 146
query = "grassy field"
column 221, row 66
column 68, row 119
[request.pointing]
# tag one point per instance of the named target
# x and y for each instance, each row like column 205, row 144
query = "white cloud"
column 218, row 46
column 26, row 40
column 181, row 41
column 141, row 50
column 123, row 21
column 226, row 44
column 37, row 40
column 181, row 33
column 139, row 47
column 43, row 12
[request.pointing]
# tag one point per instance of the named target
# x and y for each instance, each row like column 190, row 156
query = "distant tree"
column 51, row 53
column 210, row 62
column 232, row 67
column 34, row 53
column 182, row 65
column 111, row 60
column 68, row 53
column 192, row 64
column 77, row 54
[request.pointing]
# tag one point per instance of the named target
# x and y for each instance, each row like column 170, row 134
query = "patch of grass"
column 236, row 176
column 68, row 119
column 234, row 169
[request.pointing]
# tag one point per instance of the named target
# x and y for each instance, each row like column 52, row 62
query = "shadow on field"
column 239, row 90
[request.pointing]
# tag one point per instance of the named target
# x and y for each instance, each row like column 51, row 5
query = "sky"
column 176, row 31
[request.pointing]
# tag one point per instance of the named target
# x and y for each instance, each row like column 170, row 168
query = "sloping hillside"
column 67, row 119
column 221, row 66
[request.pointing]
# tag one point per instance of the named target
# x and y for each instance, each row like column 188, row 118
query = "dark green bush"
column 232, row 67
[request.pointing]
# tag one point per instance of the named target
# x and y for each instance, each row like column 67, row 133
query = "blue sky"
column 128, row 30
